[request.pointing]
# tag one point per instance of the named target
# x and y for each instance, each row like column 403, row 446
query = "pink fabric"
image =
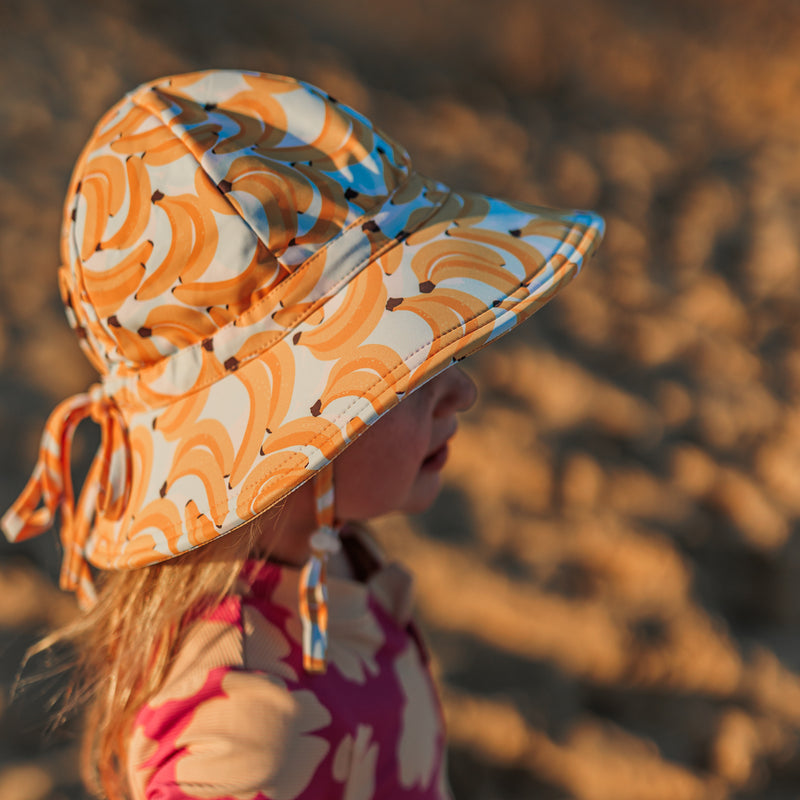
column 239, row 718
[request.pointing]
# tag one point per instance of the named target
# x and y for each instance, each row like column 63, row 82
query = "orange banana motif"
column 282, row 189
column 268, row 386
column 179, row 325
column 450, row 314
column 362, row 308
column 210, row 371
column 269, row 480
column 333, row 211
column 136, row 346
column 272, row 132
column 201, row 463
column 222, row 293
column 251, row 129
column 521, row 250
column 302, row 432
column 163, row 100
column 190, row 251
column 440, row 260
column 162, row 515
column 199, row 527
column 130, row 121
column 368, row 373
column 209, row 196
column 343, row 141
column 210, row 436
column 170, row 423
column 156, row 146
column 103, row 191
column 108, row 289
column 287, row 317
column 138, row 214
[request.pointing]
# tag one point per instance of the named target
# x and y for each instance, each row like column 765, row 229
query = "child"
column 260, row 278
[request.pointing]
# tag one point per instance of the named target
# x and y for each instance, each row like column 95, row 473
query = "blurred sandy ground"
column 611, row 581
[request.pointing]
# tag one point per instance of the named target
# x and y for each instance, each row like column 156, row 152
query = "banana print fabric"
column 239, row 718
column 258, row 274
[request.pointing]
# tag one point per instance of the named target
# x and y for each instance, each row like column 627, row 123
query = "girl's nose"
column 458, row 391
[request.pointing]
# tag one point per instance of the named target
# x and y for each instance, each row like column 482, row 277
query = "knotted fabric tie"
column 313, row 578
column 49, row 489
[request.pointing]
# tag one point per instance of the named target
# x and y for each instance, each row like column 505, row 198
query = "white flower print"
column 355, row 762
column 418, row 746
column 256, row 738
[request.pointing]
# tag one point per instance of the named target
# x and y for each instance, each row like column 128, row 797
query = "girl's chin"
column 424, row 493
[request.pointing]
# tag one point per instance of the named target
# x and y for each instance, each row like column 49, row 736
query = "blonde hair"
column 125, row 644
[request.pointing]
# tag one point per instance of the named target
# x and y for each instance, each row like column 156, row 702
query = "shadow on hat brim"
column 386, row 307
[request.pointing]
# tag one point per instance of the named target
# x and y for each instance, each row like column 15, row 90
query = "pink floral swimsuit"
column 239, row 719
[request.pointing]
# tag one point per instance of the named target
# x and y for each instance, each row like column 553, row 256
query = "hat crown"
column 197, row 195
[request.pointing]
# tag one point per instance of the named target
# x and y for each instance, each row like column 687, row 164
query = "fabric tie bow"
column 313, row 577
column 106, row 487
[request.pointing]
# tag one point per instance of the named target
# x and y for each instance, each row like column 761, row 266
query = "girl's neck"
column 285, row 530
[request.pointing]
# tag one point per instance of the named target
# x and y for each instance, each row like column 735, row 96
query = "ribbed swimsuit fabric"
column 238, row 718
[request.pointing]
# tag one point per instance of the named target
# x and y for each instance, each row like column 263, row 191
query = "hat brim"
column 325, row 367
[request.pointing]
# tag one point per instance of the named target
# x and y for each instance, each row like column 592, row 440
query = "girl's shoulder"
column 227, row 710
column 238, row 715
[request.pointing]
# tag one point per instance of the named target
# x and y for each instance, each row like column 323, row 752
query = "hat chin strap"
column 313, row 577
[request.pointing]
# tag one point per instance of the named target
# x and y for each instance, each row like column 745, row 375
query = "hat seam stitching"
column 404, row 360
column 135, row 100
column 295, row 276
column 367, row 214
column 337, row 287
column 589, row 232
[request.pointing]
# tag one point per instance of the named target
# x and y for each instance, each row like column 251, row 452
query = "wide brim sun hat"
column 258, row 275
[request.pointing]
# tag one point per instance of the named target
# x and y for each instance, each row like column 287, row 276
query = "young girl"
column 260, row 278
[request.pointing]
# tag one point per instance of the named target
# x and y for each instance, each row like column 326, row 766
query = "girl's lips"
column 437, row 459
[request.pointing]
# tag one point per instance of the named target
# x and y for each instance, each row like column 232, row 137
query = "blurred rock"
column 37, row 779
column 30, row 600
column 743, row 502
